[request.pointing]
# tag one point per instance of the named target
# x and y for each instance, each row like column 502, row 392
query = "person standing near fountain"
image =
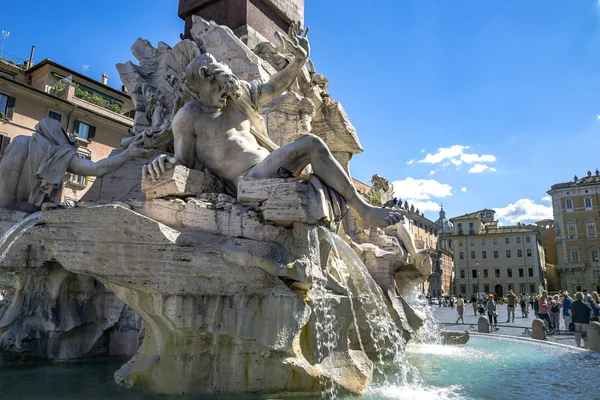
column 543, row 308
column 581, row 313
column 474, row 304
column 460, row 308
column 492, row 311
column 523, row 305
column 555, row 312
column 33, row 167
column 512, row 301
column 565, row 304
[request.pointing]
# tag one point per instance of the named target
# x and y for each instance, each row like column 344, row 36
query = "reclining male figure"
column 215, row 130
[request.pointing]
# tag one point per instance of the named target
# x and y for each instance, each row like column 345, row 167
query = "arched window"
column 574, row 254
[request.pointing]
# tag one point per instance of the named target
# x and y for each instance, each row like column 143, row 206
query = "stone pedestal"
column 593, row 335
column 180, row 181
column 538, row 329
column 245, row 16
column 483, row 325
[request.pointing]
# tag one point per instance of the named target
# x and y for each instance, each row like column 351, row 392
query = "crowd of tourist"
column 576, row 313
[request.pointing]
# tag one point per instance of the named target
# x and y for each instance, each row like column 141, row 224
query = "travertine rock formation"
column 49, row 313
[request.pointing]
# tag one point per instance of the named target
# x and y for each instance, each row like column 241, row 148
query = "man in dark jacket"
column 580, row 314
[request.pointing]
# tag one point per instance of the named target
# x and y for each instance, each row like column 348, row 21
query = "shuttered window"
column 7, row 106
column 4, row 141
column 84, row 131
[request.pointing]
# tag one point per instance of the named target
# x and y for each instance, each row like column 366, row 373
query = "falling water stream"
column 366, row 297
column 16, row 231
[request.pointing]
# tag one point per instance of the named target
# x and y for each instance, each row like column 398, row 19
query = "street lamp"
column 478, row 284
column 5, row 35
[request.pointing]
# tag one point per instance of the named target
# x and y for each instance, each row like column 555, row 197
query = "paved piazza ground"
column 447, row 316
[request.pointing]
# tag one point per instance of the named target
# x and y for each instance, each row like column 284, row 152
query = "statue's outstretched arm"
column 298, row 45
column 83, row 167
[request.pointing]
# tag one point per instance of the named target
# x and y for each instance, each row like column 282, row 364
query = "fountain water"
column 16, row 232
column 366, row 298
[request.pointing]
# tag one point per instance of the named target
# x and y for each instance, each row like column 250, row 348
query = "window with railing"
column 78, row 180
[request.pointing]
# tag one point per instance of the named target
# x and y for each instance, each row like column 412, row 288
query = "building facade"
column 576, row 208
column 446, row 256
column 490, row 258
column 95, row 113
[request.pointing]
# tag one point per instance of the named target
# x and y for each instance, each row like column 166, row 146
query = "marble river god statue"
column 222, row 130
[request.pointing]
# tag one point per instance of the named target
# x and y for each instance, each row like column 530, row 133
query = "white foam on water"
column 417, row 392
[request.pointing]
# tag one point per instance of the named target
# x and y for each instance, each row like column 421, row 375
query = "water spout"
column 15, row 232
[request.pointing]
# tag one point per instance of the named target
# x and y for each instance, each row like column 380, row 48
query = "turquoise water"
column 486, row 368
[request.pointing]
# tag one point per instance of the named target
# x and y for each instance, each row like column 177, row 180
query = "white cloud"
column 432, row 172
column 524, row 210
column 456, row 155
column 424, row 206
column 479, row 168
column 548, row 198
column 444, row 153
column 420, row 189
column 410, row 162
column 598, row 116
column 471, row 158
column 423, row 150
column 463, row 189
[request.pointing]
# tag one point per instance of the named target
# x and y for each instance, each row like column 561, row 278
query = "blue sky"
column 468, row 103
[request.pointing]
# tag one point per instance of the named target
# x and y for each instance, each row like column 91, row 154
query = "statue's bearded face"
column 213, row 81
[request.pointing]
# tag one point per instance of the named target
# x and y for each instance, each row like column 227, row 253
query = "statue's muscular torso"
column 220, row 139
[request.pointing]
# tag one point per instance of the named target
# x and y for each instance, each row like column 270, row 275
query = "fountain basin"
column 487, row 367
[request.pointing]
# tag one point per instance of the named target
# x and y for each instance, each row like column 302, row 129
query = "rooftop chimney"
column 29, row 63
column 105, row 78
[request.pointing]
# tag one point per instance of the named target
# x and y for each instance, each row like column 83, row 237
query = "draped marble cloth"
column 49, row 155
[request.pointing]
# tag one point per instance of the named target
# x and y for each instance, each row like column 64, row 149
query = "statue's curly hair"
column 205, row 66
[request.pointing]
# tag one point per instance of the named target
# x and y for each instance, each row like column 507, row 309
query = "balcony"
column 98, row 100
column 574, row 266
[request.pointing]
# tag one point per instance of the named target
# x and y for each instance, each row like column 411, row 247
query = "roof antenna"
column 84, row 68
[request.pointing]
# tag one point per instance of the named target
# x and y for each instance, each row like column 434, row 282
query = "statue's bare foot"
column 375, row 217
